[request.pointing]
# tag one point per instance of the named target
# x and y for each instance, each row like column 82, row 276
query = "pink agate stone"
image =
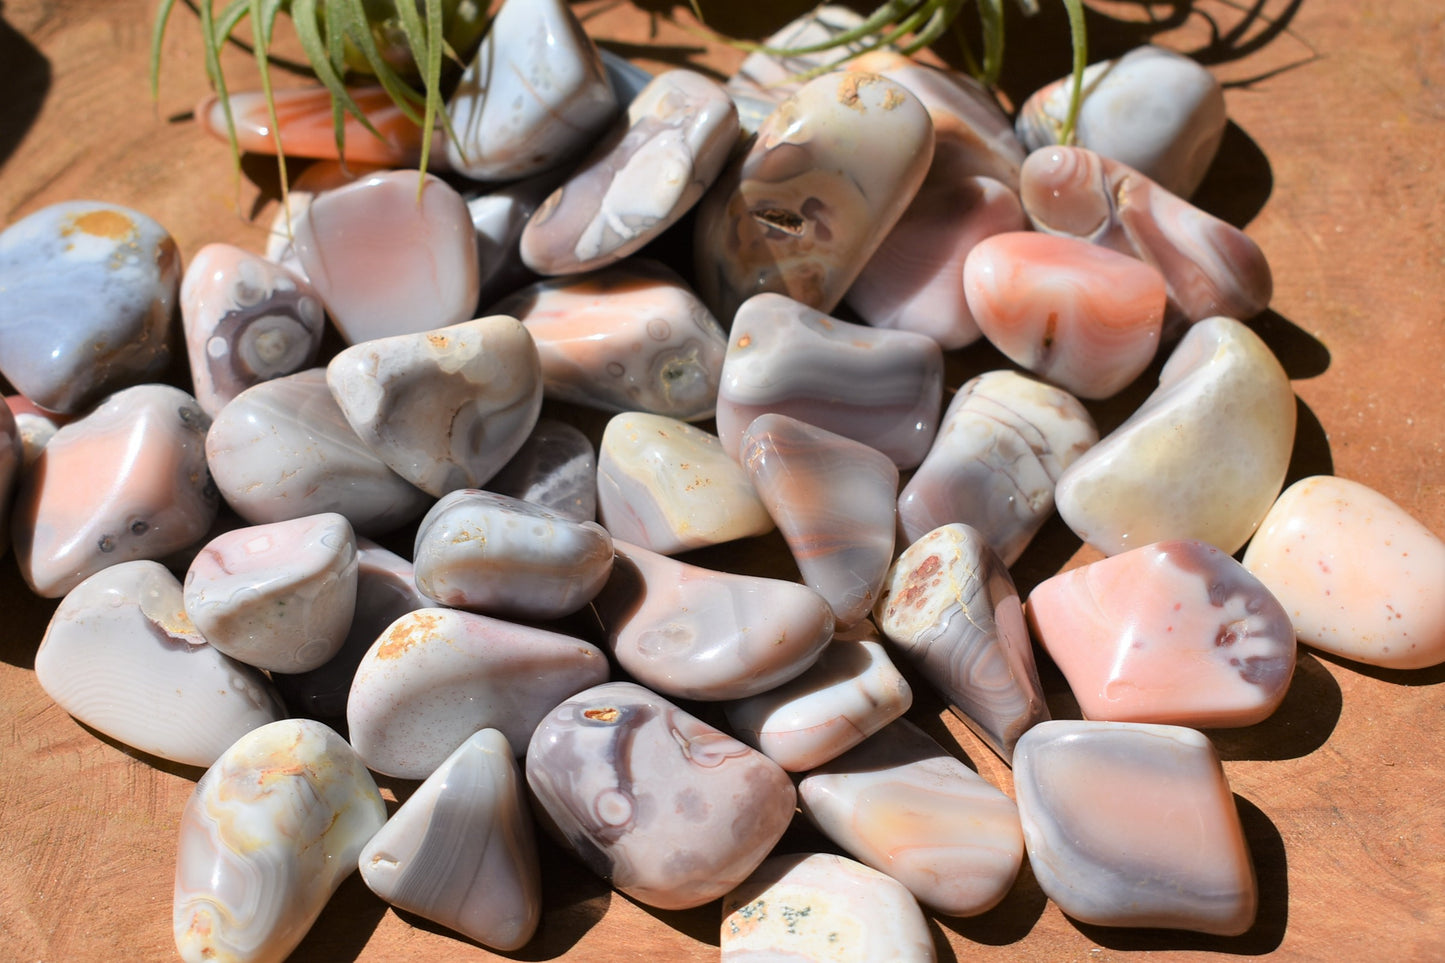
column 1359, row 577
column 1081, row 316
column 1175, row 632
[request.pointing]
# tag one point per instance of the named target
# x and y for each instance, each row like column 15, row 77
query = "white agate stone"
column 823, row 907
column 121, row 656
column 668, row 486
column 851, row 692
column 461, row 850
column 268, row 835
column 436, row 676
column 901, row 804
column 1202, row 458
column 445, row 409
column 535, row 95
column 279, row 596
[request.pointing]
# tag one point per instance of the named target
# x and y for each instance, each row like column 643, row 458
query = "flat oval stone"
column 445, row 409
column 883, row 388
column 1359, row 577
column 283, row 449
column 834, row 500
column 556, row 467
column 534, row 96
column 663, row 806
column 902, row 805
column 280, row 596
column 668, row 486
column 851, row 692
column 694, row 633
column 639, row 180
column 127, row 481
column 821, row 906
column 1176, row 633
column 85, row 307
column 1003, row 443
column 436, row 676
column 386, row 261
column 246, row 321
column 1202, row 458
column 269, row 834
column 121, row 656
column 1082, row 316
column 952, row 608
column 499, row 555
column 461, row 850
column 800, row 213
column 1134, row 825
column 1156, row 110
column 632, row 337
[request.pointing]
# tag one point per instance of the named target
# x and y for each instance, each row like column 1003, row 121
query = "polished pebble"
column 34, row 428
column 86, row 303
column 445, row 409
column 664, row 807
column 556, row 468
column 280, row 596
column 121, row 656
column 12, row 463
column 693, row 633
column 435, row 676
column 319, row 176
column 461, row 850
column 1176, row 633
column 902, row 805
column 669, row 486
column 499, row 217
column 1359, row 577
column 1134, row 825
column 952, row 608
column 1202, row 458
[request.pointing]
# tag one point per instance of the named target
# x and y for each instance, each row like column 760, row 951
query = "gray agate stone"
column 87, row 290
column 666, row 808
column 556, row 468
column 461, row 850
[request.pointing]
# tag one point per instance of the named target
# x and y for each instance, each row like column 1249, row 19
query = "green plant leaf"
column 158, row 36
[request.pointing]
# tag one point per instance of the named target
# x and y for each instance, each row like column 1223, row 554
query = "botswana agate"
column 1175, row 632
column 556, row 468
column 1130, row 824
column 267, row 836
column 664, row 807
column 950, row 605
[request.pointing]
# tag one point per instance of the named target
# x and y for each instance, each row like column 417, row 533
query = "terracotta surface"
column 1333, row 165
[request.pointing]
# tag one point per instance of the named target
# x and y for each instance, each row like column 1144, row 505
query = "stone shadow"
column 27, row 84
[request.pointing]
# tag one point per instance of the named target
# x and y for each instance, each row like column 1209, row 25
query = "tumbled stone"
column 1202, row 458
column 445, row 409
column 851, row 692
column 279, row 596
column 34, row 427
column 883, row 388
column 319, row 176
column 12, row 463
column 902, row 805
column 499, row 217
column 951, row 607
column 85, row 307
column 668, row 486
column 693, row 633
column 127, row 481
column 1003, row 443
column 633, row 337
column 823, row 907
column 246, row 320
column 1176, row 633
column 556, row 468
column 800, row 213
column 834, row 500
column 499, row 555
column 534, row 96
column 460, row 851
column 1134, row 825
column 390, row 257
column 639, row 180
column 435, row 676
column 664, row 807
column 283, row 449
column 121, row 656
column 1358, row 576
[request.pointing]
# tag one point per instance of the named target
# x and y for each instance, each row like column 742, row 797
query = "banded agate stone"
column 556, row 468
